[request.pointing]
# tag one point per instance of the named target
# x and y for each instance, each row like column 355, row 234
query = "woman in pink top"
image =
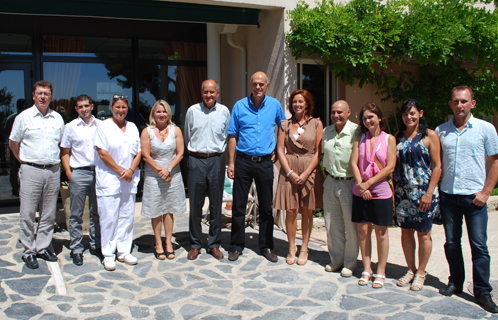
column 373, row 159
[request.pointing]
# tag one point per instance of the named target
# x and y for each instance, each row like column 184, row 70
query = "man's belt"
column 205, row 155
column 254, row 158
column 338, row 178
column 41, row 166
column 89, row 168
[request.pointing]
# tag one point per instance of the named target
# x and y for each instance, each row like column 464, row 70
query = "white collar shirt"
column 205, row 129
column 337, row 148
column 38, row 136
column 78, row 136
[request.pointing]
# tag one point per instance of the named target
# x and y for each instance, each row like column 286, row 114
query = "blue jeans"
column 453, row 209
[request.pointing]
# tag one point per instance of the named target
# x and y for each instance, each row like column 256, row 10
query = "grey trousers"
column 206, row 176
column 39, row 190
column 82, row 183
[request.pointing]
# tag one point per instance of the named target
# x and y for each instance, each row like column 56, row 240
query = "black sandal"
column 170, row 255
column 160, row 255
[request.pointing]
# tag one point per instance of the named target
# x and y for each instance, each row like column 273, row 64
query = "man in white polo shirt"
column 34, row 141
column 77, row 156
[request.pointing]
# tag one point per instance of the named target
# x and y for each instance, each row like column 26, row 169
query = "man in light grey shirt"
column 205, row 134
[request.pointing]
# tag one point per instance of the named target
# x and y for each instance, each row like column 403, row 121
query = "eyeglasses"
column 120, row 96
column 47, row 94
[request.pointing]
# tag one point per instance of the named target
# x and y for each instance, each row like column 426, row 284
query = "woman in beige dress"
column 299, row 141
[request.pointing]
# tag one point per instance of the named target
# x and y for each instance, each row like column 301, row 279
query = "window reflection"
column 18, row 44
column 71, row 46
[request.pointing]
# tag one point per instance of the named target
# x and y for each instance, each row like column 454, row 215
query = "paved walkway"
column 250, row 288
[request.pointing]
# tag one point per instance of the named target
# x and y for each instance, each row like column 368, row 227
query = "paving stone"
column 212, row 301
column 110, row 316
column 253, row 285
column 9, row 274
column 390, row 298
column 116, row 276
column 88, row 267
column 4, row 242
column 408, row 307
column 184, row 270
column 303, row 303
column 225, row 268
column 92, row 299
column 190, row 311
column 246, row 305
column 22, row 311
column 382, row 310
column 61, row 298
column 189, row 277
column 284, row 276
column 93, row 309
column 265, row 297
column 64, row 307
column 104, row 284
column 197, row 285
column 428, row 293
column 282, row 314
column 221, row 317
column 50, row 289
column 14, row 297
column 252, row 276
column 152, row 283
column 28, row 287
column 211, row 274
column 163, row 313
column 452, row 307
column 353, row 303
column 139, row 312
column 3, row 296
column 142, row 269
column 42, row 270
column 173, row 280
column 333, row 315
column 123, row 294
column 52, row 316
column 129, row 286
column 293, row 292
column 251, row 265
column 363, row 317
column 224, row 283
column 115, row 302
column 355, row 288
column 218, row 292
column 406, row 316
column 167, row 296
column 84, row 278
column 4, row 227
column 5, row 250
column 4, row 235
column 4, row 264
column 87, row 289
column 323, row 290
column 167, row 266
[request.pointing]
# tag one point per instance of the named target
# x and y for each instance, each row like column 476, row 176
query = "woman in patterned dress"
column 300, row 180
column 417, row 173
column 164, row 193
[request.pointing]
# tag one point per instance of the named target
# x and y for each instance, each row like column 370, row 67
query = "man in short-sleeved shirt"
column 34, row 141
column 465, row 143
column 78, row 160
column 251, row 149
column 342, row 233
column 206, row 136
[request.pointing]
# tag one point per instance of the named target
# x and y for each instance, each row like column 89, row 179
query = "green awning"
column 142, row 10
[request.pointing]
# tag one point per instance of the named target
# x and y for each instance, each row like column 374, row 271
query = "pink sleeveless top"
column 368, row 167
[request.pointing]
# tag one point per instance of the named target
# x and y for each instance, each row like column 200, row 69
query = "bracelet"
column 289, row 173
column 133, row 171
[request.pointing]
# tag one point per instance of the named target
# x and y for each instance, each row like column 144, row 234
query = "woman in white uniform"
column 118, row 145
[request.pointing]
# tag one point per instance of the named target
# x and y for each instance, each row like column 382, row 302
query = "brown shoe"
column 234, row 255
column 216, row 252
column 269, row 255
column 193, row 253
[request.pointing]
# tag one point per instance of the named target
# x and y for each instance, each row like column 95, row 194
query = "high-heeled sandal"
column 364, row 281
column 160, row 255
column 418, row 282
column 378, row 284
column 170, row 255
column 293, row 257
column 302, row 262
column 406, row 279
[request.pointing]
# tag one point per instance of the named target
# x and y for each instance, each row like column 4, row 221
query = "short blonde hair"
column 152, row 121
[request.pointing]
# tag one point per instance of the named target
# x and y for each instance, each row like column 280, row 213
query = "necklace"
column 300, row 130
column 165, row 133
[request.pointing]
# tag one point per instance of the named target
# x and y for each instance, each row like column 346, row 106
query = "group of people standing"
column 101, row 159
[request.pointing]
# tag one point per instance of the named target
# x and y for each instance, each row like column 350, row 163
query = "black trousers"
column 206, row 176
column 262, row 173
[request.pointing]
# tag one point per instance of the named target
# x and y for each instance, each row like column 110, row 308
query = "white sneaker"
column 129, row 259
column 109, row 264
column 346, row 272
column 329, row 268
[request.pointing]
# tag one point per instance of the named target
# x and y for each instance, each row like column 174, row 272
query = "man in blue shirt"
column 466, row 142
column 252, row 138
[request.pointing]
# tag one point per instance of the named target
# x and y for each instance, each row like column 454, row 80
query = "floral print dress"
column 412, row 176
